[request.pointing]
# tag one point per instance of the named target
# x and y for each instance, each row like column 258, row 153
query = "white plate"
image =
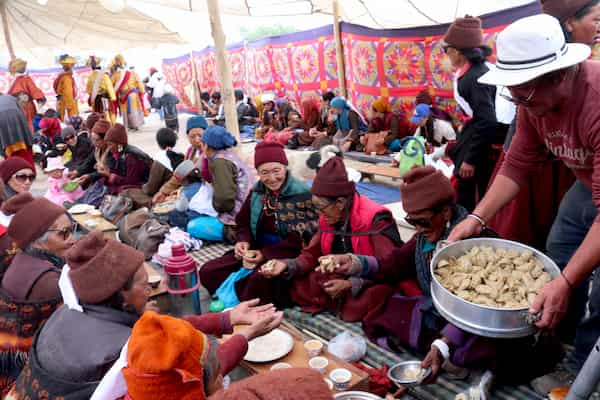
column 80, row 208
column 270, row 347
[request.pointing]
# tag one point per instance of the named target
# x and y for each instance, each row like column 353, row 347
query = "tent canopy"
column 79, row 25
column 372, row 13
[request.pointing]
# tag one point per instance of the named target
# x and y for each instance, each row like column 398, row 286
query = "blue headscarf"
column 342, row 122
column 218, row 138
column 196, row 121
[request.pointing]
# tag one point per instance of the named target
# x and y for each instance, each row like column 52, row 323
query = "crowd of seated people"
column 76, row 318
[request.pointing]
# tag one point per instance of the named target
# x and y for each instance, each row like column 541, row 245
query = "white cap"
column 531, row 47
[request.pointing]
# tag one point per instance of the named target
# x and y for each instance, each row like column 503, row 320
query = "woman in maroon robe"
column 274, row 222
column 348, row 224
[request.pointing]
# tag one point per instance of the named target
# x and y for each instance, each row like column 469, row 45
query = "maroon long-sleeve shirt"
column 230, row 352
column 571, row 134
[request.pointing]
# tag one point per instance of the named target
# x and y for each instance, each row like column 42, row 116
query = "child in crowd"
column 60, row 188
column 169, row 102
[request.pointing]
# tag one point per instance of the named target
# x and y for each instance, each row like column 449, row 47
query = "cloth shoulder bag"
column 114, row 208
column 375, row 143
column 149, row 236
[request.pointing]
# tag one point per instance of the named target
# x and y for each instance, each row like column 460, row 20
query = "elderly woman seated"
column 383, row 119
column 126, row 166
column 348, row 223
column 274, row 222
column 82, row 340
column 231, row 181
column 409, row 319
column 29, row 291
column 17, row 175
column 168, row 358
column 89, row 173
column 349, row 123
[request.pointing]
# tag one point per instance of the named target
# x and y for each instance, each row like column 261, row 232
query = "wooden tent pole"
column 231, row 118
column 196, row 83
column 339, row 49
column 6, row 30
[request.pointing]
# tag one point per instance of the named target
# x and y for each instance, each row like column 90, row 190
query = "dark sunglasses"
column 25, row 177
column 65, row 232
column 447, row 47
column 422, row 222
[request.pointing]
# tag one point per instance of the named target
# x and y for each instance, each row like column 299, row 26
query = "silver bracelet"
column 478, row 219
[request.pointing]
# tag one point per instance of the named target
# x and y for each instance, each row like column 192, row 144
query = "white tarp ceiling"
column 78, row 25
column 372, row 13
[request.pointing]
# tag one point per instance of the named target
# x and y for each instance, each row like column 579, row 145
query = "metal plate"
column 478, row 319
column 356, row 396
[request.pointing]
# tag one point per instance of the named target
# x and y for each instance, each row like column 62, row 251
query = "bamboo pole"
column 218, row 35
column 7, row 38
column 339, row 49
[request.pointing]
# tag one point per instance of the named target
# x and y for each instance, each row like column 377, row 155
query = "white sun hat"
column 531, row 47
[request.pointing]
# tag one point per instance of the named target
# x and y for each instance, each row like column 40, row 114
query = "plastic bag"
column 412, row 154
column 348, row 346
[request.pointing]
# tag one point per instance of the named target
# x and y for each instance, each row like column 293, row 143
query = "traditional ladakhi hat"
column 465, row 33
column 101, row 127
column 166, row 358
column 266, row 152
column 33, row 217
column 563, row 9
column 100, row 267
column 66, row 59
column 93, row 62
column 17, row 65
column 332, row 180
column 425, row 188
column 117, row 134
column 91, row 120
column 119, row 61
column 12, row 165
column 54, row 163
column 531, row 47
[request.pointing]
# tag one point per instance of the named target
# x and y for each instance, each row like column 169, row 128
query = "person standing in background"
column 100, row 89
column 66, row 89
column 25, row 90
column 129, row 92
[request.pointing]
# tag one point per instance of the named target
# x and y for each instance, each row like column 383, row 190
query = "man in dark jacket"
column 82, row 154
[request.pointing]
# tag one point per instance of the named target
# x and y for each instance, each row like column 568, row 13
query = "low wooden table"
column 162, row 286
column 382, row 170
column 89, row 223
column 298, row 358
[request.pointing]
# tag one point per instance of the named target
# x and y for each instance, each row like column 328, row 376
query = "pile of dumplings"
column 494, row 277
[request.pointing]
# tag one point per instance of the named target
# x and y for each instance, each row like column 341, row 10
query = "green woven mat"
column 327, row 326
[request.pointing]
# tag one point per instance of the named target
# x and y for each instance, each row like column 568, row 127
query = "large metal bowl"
column 479, row 319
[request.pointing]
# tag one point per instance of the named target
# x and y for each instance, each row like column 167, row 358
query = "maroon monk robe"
column 307, row 287
column 276, row 291
column 529, row 216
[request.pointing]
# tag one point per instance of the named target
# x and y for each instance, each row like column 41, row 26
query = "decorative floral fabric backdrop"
column 395, row 64
column 44, row 79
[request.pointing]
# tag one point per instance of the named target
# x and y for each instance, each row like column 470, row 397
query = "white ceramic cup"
column 341, row 378
column 318, row 364
column 313, row 347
